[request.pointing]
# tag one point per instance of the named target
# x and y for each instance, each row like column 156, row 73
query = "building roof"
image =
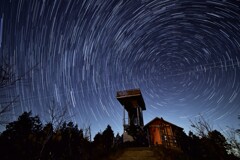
column 161, row 119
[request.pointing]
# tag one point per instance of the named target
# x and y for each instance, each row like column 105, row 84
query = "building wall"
column 161, row 133
column 155, row 136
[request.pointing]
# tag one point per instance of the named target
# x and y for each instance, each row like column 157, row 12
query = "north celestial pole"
column 183, row 55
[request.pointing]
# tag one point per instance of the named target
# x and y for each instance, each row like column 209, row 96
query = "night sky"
column 183, row 55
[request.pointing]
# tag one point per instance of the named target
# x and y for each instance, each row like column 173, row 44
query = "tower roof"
column 129, row 96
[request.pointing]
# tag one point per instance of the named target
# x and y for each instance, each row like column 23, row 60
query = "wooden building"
column 161, row 132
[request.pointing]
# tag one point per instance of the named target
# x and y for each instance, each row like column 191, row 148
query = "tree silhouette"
column 21, row 140
column 24, row 139
column 103, row 143
column 67, row 142
column 218, row 139
column 108, row 137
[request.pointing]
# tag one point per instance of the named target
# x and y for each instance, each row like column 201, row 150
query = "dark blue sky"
column 183, row 55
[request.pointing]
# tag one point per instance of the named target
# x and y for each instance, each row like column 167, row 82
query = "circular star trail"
column 183, row 55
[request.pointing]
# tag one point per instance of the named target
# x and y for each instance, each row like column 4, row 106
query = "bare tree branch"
column 5, row 108
column 57, row 115
column 8, row 78
column 201, row 126
column 233, row 139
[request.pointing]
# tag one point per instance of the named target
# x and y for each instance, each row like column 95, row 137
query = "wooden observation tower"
column 132, row 102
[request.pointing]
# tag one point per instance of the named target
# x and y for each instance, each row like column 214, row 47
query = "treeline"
column 207, row 143
column 212, row 146
column 27, row 138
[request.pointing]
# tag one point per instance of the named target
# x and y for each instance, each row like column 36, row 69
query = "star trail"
column 183, row 55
